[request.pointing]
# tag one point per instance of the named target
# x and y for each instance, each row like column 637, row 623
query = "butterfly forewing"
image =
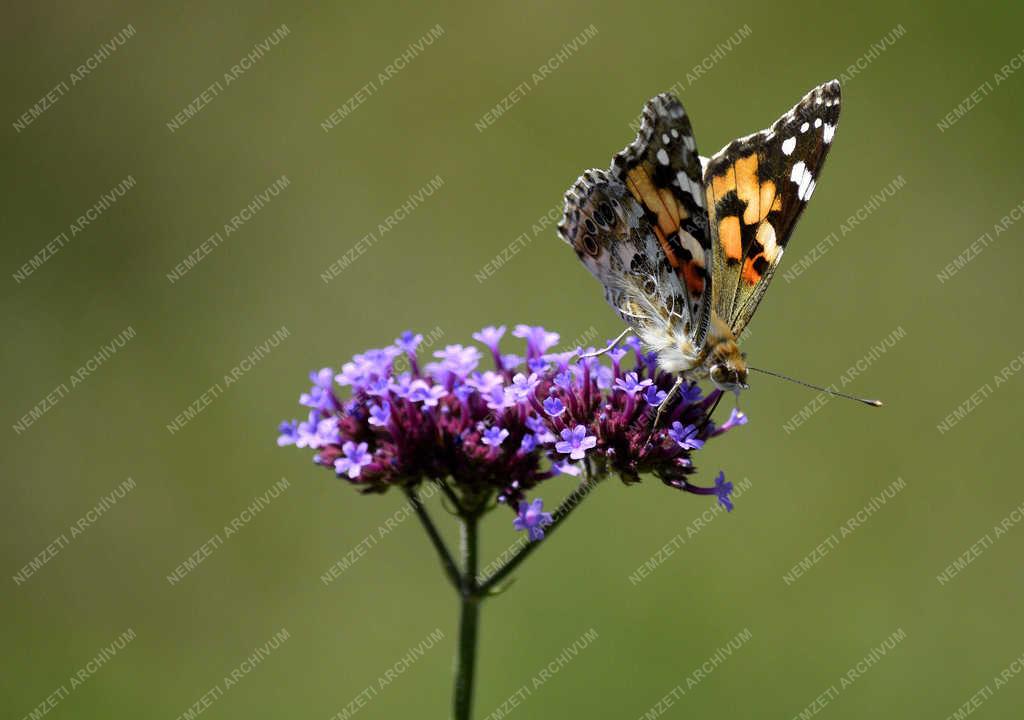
column 756, row 188
column 662, row 170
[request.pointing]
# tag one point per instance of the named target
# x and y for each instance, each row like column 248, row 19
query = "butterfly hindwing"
column 662, row 170
column 614, row 238
column 756, row 188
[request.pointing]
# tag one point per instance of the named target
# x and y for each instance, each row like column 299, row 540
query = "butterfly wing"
column 756, row 188
column 615, row 239
column 662, row 171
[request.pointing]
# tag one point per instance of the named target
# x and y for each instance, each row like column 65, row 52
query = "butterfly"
column 685, row 246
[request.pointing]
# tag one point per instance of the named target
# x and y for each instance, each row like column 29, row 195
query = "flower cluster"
column 505, row 429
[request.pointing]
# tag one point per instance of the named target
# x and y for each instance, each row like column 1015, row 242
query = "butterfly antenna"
column 835, row 393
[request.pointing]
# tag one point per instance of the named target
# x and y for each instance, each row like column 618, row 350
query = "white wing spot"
column 665, row 138
column 829, row 131
column 797, row 172
column 804, row 127
column 817, row 122
column 675, row 133
column 663, row 157
column 788, row 145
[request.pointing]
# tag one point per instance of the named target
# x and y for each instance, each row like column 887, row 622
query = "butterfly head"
column 730, row 374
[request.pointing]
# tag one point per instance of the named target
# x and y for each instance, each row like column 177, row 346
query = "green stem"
column 567, row 506
column 447, row 562
column 469, row 620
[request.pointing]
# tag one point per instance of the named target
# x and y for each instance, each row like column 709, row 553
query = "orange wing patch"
column 670, row 213
column 760, row 198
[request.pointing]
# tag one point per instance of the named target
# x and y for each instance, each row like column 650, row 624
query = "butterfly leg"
column 611, row 347
column 663, row 405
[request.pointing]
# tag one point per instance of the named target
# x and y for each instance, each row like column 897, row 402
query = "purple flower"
column 576, row 442
column 408, row 342
column 522, row 386
column 723, row 490
column 532, row 519
column 632, row 384
column 457, row 359
column 316, row 431
column 564, row 467
column 538, row 340
column 380, row 414
column 685, row 436
column 735, row 418
column 421, row 391
column 529, row 443
column 511, row 362
column 553, row 406
column 690, row 393
column 485, row 383
column 354, row 460
column 494, row 436
column 289, row 433
column 564, row 380
column 500, row 398
column 537, row 365
column 320, row 395
column 402, row 385
column 490, row 336
column 654, row 396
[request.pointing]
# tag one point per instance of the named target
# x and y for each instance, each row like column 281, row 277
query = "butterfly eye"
column 590, row 245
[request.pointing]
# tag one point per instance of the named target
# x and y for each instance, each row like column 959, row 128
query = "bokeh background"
column 912, row 65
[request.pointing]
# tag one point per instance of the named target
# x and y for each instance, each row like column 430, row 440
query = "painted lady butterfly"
column 685, row 246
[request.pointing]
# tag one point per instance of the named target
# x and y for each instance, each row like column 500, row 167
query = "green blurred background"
column 881, row 277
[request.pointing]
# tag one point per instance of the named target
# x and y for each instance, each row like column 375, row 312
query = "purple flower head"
column 380, row 414
column 576, row 442
column 391, row 423
column 289, row 433
column 494, row 436
column 723, row 490
column 532, row 518
column 421, row 391
column 489, row 337
column 617, row 354
column 685, row 436
column 354, row 460
column 632, row 384
column 408, row 342
column 538, row 340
